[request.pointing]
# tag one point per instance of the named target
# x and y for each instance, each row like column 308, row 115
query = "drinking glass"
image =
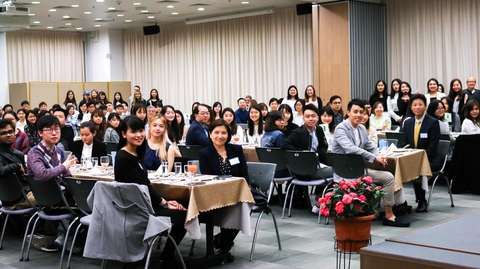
column 178, row 168
column 165, row 168
column 86, row 163
column 236, row 138
column 188, row 178
column 105, row 161
column 94, row 162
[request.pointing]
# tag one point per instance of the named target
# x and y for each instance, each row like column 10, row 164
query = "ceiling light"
column 232, row 16
column 128, row 20
column 144, row 11
column 174, row 13
column 137, row 4
column 245, row 2
column 87, row 12
column 97, row 25
column 35, row 2
column 80, row 28
column 170, row 6
column 49, row 27
column 100, row 1
column 31, row 14
column 98, row 19
column 74, row 5
column 36, row 22
column 151, row 17
column 66, row 17
column 111, row 8
column 52, row 10
column 68, row 23
column 200, row 9
column 120, row 15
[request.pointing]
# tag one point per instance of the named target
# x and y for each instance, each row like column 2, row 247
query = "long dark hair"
column 469, row 107
column 73, row 100
column 181, row 124
column 213, row 108
column 172, row 127
column 270, row 121
column 329, row 111
column 452, row 94
column 285, row 107
column 385, row 90
column 137, row 107
column 392, row 93
column 432, row 107
column 135, row 124
column 102, row 127
column 251, row 124
column 233, row 124
column 288, row 92
column 115, row 101
column 110, row 117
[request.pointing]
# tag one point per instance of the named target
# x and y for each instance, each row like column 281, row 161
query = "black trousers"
column 177, row 232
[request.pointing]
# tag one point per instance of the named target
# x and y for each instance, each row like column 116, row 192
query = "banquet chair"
column 395, row 135
column 111, row 146
column 346, row 166
column 302, row 164
column 275, row 155
column 47, row 194
column 262, row 175
column 80, row 189
column 11, row 191
column 442, row 150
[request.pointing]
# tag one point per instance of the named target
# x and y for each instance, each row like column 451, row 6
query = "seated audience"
column 22, row 119
column 197, row 132
column 21, row 142
column 229, row 118
column 273, row 137
column 255, row 125
column 378, row 119
column 241, row 114
column 113, row 123
column 288, row 126
column 31, row 129
column 326, row 121
column 453, row 119
column 297, row 115
column 100, row 124
column 88, row 147
column 336, row 105
column 471, row 123
column 371, row 132
column 158, row 148
column 182, row 127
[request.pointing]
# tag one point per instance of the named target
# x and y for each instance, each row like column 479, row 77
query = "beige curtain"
column 431, row 38
column 223, row 60
column 47, row 56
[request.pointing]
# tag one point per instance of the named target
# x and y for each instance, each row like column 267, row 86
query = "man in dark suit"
column 470, row 91
column 88, row 146
column 197, row 132
column 422, row 132
column 67, row 135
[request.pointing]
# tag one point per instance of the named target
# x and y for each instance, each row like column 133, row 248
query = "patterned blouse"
column 225, row 167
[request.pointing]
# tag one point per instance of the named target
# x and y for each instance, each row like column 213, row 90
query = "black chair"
column 442, row 150
column 80, row 188
column 275, row 155
column 190, row 151
column 262, row 175
column 11, row 191
column 111, row 146
column 395, row 135
column 302, row 164
column 47, row 194
column 346, row 166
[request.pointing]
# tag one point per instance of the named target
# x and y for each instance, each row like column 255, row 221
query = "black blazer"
column 196, row 135
column 300, row 139
column 210, row 165
column 99, row 149
column 431, row 127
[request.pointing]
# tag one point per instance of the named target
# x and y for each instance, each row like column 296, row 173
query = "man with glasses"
column 473, row 94
column 198, row 132
column 11, row 160
column 336, row 105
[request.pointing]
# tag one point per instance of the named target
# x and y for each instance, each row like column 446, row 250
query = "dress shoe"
column 402, row 209
column 422, row 206
column 395, row 223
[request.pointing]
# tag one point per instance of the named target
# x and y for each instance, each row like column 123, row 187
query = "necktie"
column 416, row 133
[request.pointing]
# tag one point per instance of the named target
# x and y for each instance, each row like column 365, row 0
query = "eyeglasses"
column 11, row 132
column 336, row 103
column 50, row 131
column 440, row 109
column 204, row 113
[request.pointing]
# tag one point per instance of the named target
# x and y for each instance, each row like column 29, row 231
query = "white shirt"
column 392, row 107
column 468, row 127
column 87, row 150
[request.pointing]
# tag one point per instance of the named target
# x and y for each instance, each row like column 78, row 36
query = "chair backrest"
column 395, row 135
column 47, row 193
column 111, row 146
column 81, row 188
column 11, row 189
column 262, row 174
column 302, row 163
column 272, row 155
column 243, row 125
column 190, row 151
column 443, row 149
column 444, row 137
column 348, row 165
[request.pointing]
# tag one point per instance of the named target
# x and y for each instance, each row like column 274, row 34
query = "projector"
column 14, row 11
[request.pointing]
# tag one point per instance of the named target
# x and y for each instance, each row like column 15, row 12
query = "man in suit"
column 241, row 114
column 67, row 135
column 422, row 132
column 351, row 137
column 197, row 132
column 473, row 94
column 88, row 147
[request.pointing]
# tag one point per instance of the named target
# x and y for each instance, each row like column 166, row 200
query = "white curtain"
column 224, row 60
column 47, row 56
column 431, row 38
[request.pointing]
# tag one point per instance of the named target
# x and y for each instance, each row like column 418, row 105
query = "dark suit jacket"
column 196, row 135
column 99, row 149
column 300, row 139
column 431, row 127
column 210, row 165
column 66, row 138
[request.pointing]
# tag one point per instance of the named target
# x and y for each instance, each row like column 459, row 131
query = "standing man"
column 67, row 135
column 241, row 114
column 351, row 137
column 422, row 132
column 473, row 94
column 198, row 132
column 248, row 98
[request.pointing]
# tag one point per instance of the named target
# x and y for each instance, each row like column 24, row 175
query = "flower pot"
column 353, row 233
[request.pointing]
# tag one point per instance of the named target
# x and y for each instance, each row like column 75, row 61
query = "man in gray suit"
column 351, row 137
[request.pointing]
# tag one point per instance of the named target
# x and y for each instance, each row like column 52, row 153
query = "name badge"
column 423, row 135
column 234, row 161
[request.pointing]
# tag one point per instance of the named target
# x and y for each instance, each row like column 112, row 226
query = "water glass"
column 165, row 168
column 94, row 162
column 178, row 168
column 86, row 162
column 114, row 154
column 383, row 144
column 188, row 175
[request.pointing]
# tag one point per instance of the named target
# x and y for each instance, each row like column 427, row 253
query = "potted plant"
column 353, row 205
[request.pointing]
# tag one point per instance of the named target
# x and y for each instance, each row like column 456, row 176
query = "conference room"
column 230, row 50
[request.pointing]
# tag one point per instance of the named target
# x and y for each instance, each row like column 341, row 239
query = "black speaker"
column 151, row 30
column 304, row 9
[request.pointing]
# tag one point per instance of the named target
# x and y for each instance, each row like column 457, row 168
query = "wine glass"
column 385, row 125
column 236, row 138
column 192, row 167
column 105, row 161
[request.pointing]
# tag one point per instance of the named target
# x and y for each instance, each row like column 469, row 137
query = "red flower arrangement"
column 348, row 199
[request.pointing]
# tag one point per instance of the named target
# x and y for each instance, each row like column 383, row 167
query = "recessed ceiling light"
column 87, row 12
column 97, row 25
column 49, row 27
column 66, row 17
column 101, row 1
column 68, row 23
column 52, row 10
column 128, row 20
column 151, row 17
column 111, row 8
column 170, row 6
column 35, row 2
column 245, row 2
column 144, row 11
column 31, row 14
column 137, row 4
column 200, row 9
column 36, row 22
column 120, row 15
column 74, row 5
column 98, row 19
column 80, row 28
column 174, row 13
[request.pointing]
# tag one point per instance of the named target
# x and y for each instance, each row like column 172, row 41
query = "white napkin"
column 95, row 170
column 391, row 149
